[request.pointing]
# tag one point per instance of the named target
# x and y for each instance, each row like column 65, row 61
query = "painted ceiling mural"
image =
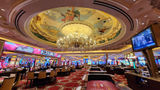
column 48, row 24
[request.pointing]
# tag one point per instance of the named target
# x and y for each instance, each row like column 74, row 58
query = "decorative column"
column 153, row 69
column 1, row 46
column 106, row 58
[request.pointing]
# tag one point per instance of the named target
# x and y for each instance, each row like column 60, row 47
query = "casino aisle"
column 77, row 80
column 71, row 82
column 80, row 44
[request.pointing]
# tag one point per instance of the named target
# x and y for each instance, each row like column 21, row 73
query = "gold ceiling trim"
column 107, row 37
column 61, row 28
column 98, row 51
column 28, row 32
column 122, row 33
column 84, row 55
column 13, row 41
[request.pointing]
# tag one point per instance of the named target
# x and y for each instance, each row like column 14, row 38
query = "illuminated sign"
column 47, row 53
column 25, row 49
column 9, row 46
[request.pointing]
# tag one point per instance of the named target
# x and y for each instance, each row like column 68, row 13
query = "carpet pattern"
column 70, row 82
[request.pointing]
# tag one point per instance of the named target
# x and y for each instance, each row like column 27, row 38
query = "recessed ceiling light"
column 0, row 16
column 2, row 9
column 145, row 16
column 158, row 16
column 2, row 30
column 142, row 23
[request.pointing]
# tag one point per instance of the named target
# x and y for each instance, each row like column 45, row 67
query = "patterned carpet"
column 70, row 82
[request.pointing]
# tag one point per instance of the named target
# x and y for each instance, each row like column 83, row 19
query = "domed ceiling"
column 26, row 21
column 49, row 25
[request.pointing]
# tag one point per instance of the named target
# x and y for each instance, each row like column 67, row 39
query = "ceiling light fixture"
column 145, row 16
column 76, row 37
column 76, row 42
column 3, row 10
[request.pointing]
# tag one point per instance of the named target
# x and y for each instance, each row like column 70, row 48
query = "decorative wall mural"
column 70, row 15
column 48, row 25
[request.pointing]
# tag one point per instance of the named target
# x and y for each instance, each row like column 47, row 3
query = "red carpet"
column 65, row 81
column 60, row 83
column 59, row 78
column 77, row 78
column 70, row 82
column 67, row 89
column 71, row 85
column 54, row 88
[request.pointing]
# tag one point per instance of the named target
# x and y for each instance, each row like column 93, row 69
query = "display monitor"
column 142, row 61
column 17, row 62
column 131, row 62
column 144, row 39
column 159, row 61
column 126, row 62
column 89, row 62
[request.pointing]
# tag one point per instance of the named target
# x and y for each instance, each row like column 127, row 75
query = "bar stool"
column 73, row 68
column 68, row 70
column 63, row 69
column 52, row 74
column 55, row 73
column 15, row 86
column 30, row 76
column 51, row 77
column 57, row 70
column 41, row 77
column 7, row 83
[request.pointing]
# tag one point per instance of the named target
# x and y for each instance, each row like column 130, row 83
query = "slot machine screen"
column 17, row 62
column 13, row 60
column 142, row 61
column 126, row 62
column 131, row 62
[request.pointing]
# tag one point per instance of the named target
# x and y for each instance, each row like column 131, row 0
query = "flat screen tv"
column 143, row 40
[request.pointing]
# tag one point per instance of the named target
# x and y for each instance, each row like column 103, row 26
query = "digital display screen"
column 9, row 46
column 47, row 53
column 142, row 61
column 143, row 40
column 13, row 59
column 18, row 60
column 12, row 62
column 89, row 62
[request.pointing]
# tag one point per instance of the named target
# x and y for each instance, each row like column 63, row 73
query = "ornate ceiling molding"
column 142, row 12
column 155, row 3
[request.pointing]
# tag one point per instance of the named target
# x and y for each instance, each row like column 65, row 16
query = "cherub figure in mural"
column 102, row 30
column 102, row 26
column 37, row 19
column 70, row 15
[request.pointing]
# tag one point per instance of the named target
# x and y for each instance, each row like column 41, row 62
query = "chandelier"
column 76, row 41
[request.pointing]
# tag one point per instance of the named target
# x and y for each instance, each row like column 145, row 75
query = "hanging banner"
column 9, row 46
column 47, row 53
